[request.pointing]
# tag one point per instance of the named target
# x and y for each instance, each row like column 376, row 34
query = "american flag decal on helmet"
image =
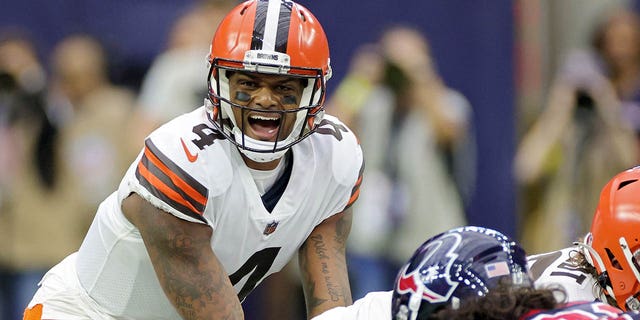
column 497, row 269
column 271, row 28
column 270, row 228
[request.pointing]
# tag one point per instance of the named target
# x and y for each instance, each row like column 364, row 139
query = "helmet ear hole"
column 303, row 17
column 613, row 260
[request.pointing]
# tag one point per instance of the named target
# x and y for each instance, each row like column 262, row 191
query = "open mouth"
column 264, row 127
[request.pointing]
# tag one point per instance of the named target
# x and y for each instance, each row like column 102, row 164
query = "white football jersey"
column 557, row 268
column 187, row 169
column 374, row 306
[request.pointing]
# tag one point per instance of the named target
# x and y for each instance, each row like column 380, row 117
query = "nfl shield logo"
column 270, row 228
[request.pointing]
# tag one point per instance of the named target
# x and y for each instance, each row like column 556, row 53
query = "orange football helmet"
column 273, row 37
column 614, row 240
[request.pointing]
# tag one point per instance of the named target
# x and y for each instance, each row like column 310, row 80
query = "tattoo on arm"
column 323, row 265
column 189, row 272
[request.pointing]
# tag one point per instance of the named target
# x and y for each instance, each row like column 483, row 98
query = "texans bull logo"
column 433, row 283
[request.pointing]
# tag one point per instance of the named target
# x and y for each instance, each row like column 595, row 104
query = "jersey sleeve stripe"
column 167, row 181
column 164, row 179
column 178, row 184
column 165, row 193
column 355, row 192
column 182, row 180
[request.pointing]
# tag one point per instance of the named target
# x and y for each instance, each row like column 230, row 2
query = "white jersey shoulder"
column 182, row 164
column 373, row 306
column 561, row 268
column 186, row 162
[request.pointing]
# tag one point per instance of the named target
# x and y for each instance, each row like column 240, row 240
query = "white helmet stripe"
column 271, row 26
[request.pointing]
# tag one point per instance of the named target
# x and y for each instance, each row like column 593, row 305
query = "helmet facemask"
column 307, row 115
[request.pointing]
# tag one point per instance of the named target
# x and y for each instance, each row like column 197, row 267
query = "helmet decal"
column 436, row 287
column 454, row 265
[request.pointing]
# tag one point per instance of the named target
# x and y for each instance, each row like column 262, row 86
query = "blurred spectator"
column 174, row 83
column 53, row 177
column 617, row 44
column 582, row 136
column 415, row 133
column 93, row 115
column 28, row 179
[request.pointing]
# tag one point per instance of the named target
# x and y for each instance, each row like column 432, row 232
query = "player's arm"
column 189, row 272
column 323, row 265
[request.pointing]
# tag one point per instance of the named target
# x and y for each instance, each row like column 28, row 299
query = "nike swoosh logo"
column 191, row 157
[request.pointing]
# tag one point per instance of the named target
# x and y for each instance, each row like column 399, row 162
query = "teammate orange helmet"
column 273, row 37
column 614, row 240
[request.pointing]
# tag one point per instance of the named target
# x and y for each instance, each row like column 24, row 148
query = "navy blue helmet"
column 457, row 264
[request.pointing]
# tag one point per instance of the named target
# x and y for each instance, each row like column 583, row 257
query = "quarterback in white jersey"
column 226, row 195
column 606, row 265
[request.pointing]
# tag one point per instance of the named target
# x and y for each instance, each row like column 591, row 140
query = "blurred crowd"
column 68, row 133
column 588, row 130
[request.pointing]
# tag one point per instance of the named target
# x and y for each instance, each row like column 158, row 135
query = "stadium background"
column 497, row 53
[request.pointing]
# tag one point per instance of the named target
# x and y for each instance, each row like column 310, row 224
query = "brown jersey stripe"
column 165, row 193
column 179, row 177
column 163, row 178
column 168, row 182
column 355, row 192
column 161, row 171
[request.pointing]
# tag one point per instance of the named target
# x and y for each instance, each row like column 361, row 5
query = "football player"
column 222, row 197
column 446, row 269
column 606, row 265
column 470, row 273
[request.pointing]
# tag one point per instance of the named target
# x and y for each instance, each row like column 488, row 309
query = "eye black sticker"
column 242, row 96
column 289, row 100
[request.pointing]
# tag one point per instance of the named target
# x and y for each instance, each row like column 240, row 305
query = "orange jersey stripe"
column 166, row 190
column 176, row 179
column 354, row 197
column 359, row 181
column 355, row 192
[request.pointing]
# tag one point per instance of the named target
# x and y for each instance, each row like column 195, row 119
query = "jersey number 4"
column 258, row 265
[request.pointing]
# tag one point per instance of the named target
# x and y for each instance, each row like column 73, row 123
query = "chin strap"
column 589, row 250
column 263, row 156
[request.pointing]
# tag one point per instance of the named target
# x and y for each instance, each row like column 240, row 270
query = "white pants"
column 62, row 296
